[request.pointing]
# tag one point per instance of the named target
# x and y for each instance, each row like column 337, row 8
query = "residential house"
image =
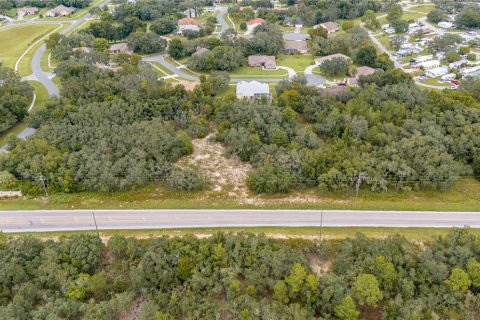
column 448, row 77
column 288, row 21
column 188, row 24
column 21, row 12
column 189, row 86
column 459, row 64
column 82, row 50
column 267, row 62
column 415, row 61
column 191, row 13
column 253, row 90
column 446, row 25
column 299, row 23
column 430, row 64
column 361, row 71
column 119, row 48
column 200, row 52
column 293, row 47
column 321, row 60
column 333, row 90
column 60, row 11
column 330, row 27
column 437, row 72
column 474, row 71
column 252, row 24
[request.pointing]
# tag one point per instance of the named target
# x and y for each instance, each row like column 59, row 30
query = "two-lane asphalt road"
column 64, row 220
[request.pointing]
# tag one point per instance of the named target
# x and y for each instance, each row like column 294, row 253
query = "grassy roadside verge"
column 463, row 196
column 328, row 233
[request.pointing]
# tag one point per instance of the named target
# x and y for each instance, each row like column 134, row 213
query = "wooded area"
column 240, row 277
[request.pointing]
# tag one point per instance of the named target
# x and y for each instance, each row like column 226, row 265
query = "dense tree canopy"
column 15, row 98
column 239, row 277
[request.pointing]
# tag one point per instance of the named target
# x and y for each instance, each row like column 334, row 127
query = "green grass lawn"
column 385, row 40
column 463, row 196
column 298, row 62
column 405, row 16
column 162, row 71
column 25, row 66
column 423, row 8
column 14, row 41
column 257, row 72
column 436, row 82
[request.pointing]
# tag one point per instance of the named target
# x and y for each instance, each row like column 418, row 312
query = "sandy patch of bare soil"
column 319, row 266
column 225, row 174
column 134, row 311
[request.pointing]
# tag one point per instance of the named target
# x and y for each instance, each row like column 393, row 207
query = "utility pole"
column 95, row 221
column 321, row 225
column 43, row 181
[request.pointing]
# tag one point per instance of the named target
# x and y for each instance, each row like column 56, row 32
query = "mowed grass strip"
column 311, row 233
column 463, row 196
column 14, row 41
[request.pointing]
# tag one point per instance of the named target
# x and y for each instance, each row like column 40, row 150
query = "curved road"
column 221, row 19
column 64, row 220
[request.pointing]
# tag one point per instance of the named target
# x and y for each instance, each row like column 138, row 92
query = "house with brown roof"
column 120, row 48
column 82, row 50
column 188, row 24
column 189, row 86
column 267, row 62
column 60, row 11
column 293, row 47
column 361, row 71
column 330, row 27
column 321, row 60
column 200, row 52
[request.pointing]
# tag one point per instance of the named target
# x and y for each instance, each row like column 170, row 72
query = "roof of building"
column 262, row 60
column 189, row 86
column 330, row 26
column 200, row 51
column 82, row 49
column 298, row 45
column 256, row 21
column 321, row 60
column 364, row 71
column 292, row 36
column 334, row 90
column 26, row 9
column 119, row 47
column 188, row 21
column 61, row 8
column 249, row 88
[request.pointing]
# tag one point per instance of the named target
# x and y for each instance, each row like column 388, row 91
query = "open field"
column 25, row 65
column 463, row 196
column 312, row 233
column 423, row 8
column 14, row 41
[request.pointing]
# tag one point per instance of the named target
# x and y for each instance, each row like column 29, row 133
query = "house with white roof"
column 60, row 11
column 446, row 25
column 437, row 72
column 253, row 90
column 429, row 64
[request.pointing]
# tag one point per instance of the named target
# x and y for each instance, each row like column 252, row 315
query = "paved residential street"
column 64, row 220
